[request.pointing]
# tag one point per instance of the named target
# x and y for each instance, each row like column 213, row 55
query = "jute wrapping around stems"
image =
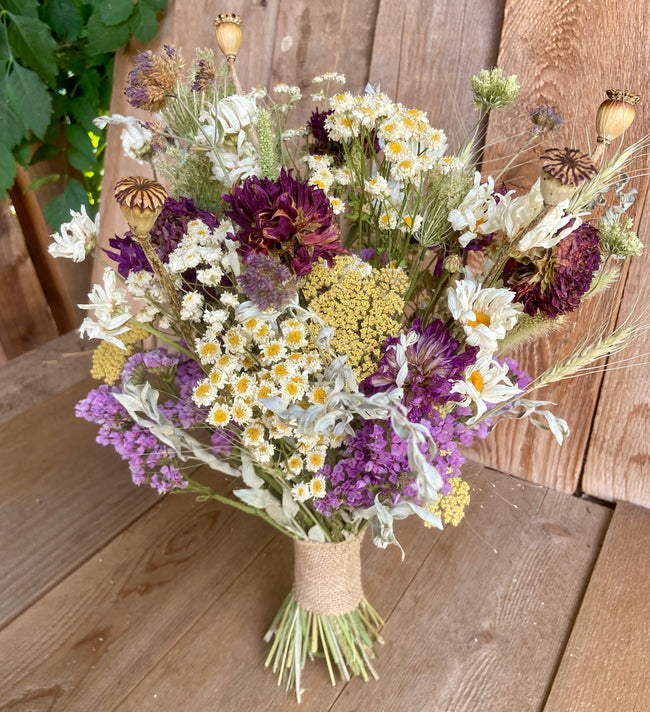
column 327, row 577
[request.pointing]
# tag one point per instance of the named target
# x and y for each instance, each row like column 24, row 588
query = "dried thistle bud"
column 563, row 172
column 615, row 114
column 229, row 34
column 141, row 201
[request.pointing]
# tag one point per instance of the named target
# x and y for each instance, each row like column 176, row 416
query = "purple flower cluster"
column 554, row 283
column 165, row 235
column 376, row 462
column 288, row 219
column 149, row 459
column 267, row 282
column 434, row 364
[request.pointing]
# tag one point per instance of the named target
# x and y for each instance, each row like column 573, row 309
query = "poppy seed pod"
column 563, row 172
column 141, row 201
column 229, row 34
column 615, row 114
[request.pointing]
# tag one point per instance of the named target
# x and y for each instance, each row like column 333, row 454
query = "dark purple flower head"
column 267, row 282
column 554, row 283
column 434, row 364
column 166, row 234
column 205, row 75
column 285, row 218
column 323, row 144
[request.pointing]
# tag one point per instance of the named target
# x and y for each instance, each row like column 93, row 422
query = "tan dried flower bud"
column 229, row 34
column 453, row 264
column 615, row 114
column 141, row 201
column 563, row 172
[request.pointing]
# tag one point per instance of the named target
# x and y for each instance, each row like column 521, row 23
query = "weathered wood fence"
column 566, row 53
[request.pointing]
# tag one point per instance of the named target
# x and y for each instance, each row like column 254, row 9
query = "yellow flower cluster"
column 109, row 360
column 362, row 304
column 451, row 508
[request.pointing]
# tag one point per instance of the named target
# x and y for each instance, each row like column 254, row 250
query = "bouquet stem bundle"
column 325, row 615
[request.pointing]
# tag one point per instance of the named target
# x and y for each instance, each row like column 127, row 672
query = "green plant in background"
column 56, row 69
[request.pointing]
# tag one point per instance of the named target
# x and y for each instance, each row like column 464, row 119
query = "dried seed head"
column 141, row 201
column 563, row 172
column 229, row 34
column 615, row 114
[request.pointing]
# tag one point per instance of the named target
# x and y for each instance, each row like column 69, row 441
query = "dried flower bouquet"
column 329, row 345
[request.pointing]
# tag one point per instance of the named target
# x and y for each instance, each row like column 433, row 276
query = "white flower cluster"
column 135, row 136
column 224, row 130
column 482, row 213
column 251, row 359
column 76, row 238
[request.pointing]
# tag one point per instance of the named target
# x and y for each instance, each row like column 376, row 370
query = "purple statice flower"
column 150, row 461
column 153, row 79
column 544, row 119
column 554, row 283
column 434, row 361
column 285, row 218
column 374, row 462
column 267, row 283
column 166, row 233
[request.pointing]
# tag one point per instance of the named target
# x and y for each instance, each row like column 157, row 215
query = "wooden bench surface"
column 112, row 599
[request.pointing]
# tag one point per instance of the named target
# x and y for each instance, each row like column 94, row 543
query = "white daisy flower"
column 241, row 411
column 471, row 216
column 218, row 415
column 301, row 491
column 318, row 487
column 254, row 436
column 192, row 307
column 229, row 299
column 486, row 382
column 315, row 459
column 294, row 464
column 485, row 314
column 204, row 393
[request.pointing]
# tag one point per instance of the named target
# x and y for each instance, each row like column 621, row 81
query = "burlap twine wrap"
column 327, row 577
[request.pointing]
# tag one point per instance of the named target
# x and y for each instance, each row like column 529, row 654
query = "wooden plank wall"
column 566, row 53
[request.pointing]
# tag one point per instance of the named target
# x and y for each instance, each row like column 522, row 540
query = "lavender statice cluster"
column 150, row 461
column 377, row 462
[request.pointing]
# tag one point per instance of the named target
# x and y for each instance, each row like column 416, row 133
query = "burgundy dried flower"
column 285, row 218
column 434, row 364
column 554, row 283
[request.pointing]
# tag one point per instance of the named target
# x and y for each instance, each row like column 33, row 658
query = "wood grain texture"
column 566, row 54
column 313, row 38
column 618, row 456
column 40, row 373
column 494, row 644
column 606, row 665
column 25, row 317
column 62, row 497
column 425, row 52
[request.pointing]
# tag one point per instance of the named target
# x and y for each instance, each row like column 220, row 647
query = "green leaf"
column 89, row 84
column 22, row 152
column 83, row 110
column 156, row 4
column 43, row 180
column 113, row 12
column 81, row 161
column 144, row 22
column 102, row 39
column 33, row 44
column 21, row 7
column 45, row 152
column 7, row 169
column 57, row 210
column 29, row 98
column 64, row 17
column 11, row 127
column 80, row 141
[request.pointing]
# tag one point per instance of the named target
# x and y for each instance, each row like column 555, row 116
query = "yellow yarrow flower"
column 451, row 507
column 362, row 304
column 109, row 360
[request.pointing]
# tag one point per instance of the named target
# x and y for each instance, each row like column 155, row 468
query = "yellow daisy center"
column 480, row 319
column 476, row 380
